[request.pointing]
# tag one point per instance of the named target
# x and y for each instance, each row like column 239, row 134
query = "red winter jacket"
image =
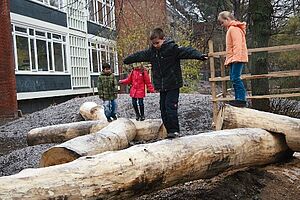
column 138, row 78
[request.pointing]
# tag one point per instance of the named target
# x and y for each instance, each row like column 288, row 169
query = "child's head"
column 225, row 18
column 137, row 65
column 157, row 37
column 106, row 68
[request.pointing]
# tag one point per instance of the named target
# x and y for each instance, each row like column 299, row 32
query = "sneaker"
column 238, row 103
column 172, row 135
column 142, row 118
column 114, row 117
column 138, row 118
column 109, row 119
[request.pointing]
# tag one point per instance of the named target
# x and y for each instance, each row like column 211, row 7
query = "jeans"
column 110, row 108
column 235, row 77
column 169, row 109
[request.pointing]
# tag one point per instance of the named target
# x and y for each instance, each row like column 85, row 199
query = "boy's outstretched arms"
column 190, row 53
column 140, row 56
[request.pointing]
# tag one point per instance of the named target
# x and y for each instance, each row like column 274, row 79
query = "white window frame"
column 99, row 48
column 47, row 3
column 105, row 13
column 35, row 37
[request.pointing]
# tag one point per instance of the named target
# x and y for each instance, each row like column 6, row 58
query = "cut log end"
column 58, row 155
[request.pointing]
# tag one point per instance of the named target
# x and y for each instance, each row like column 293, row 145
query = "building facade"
column 59, row 47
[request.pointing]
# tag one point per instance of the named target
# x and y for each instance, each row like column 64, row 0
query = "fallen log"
column 145, row 168
column 63, row 132
column 115, row 136
column 92, row 111
column 150, row 129
column 234, row 117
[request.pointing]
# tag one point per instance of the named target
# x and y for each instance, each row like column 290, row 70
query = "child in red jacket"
column 138, row 78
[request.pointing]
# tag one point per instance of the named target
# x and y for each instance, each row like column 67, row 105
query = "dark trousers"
column 136, row 104
column 169, row 109
column 137, row 101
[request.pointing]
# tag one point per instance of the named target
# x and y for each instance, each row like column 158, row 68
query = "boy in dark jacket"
column 164, row 56
column 108, row 92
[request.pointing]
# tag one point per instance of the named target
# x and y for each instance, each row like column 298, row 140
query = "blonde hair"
column 225, row 15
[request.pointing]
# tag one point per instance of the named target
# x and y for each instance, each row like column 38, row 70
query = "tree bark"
column 145, row 168
column 63, row 132
column 260, row 30
column 150, row 129
column 233, row 117
column 92, row 111
column 115, row 136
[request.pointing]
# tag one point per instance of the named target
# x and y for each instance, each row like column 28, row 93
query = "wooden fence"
column 294, row 92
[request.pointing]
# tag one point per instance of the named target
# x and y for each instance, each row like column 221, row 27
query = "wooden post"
column 213, row 84
column 224, row 87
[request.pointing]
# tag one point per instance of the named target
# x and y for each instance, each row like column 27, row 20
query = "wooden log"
column 150, row 129
column 145, row 168
column 233, row 117
column 92, row 111
column 115, row 136
column 63, row 132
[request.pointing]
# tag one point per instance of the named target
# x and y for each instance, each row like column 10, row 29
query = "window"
column 79, row 62
column 23, row 52
column 100, row 54
column 39, row 50
column 102, row 12
column 53, row 3
column 77, row 14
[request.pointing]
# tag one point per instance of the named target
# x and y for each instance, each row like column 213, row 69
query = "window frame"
column 34, row 58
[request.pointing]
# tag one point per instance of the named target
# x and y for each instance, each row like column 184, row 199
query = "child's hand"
column 120, row 82
column 204, row 57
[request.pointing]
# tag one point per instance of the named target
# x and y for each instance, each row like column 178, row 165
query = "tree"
column 260, row 28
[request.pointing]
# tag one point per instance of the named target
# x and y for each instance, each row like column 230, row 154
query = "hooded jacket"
column 138, row 78
column 166, row 70
column 107, row 86
column 236, row 47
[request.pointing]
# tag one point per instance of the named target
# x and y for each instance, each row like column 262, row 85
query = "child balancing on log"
column 138, row 79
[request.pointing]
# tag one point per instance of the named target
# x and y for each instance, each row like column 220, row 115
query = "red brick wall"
column 8, row 94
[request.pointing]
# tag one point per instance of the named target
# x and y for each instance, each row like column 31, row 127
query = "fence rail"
column 278, row 74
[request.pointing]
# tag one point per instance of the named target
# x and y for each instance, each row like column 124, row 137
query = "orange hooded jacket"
column 236, row 47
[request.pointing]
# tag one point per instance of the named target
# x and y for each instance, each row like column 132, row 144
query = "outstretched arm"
column 140, row 56
column 148, row 82
column 127, row 80
column 190, row 53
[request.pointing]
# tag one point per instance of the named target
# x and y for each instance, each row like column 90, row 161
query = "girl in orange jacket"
column 236, row 54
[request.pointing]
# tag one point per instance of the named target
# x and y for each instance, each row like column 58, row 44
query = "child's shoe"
column 109, row 119
column 114, row 117
column 172, row 135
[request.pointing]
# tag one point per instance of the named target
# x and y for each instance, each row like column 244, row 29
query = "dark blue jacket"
column 166, row 70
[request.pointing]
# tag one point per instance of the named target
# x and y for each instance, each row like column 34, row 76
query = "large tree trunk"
column 260, row 30
column 233, row 117
column 92, row 111
column 63, row 132
column 115, row 136
column 145, row 168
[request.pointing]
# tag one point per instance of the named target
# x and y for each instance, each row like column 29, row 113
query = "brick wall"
column 8, row 95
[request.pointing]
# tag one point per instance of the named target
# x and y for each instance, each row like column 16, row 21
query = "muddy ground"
column 277, row 181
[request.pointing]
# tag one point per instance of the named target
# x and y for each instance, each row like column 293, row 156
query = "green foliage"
column 289, row 60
